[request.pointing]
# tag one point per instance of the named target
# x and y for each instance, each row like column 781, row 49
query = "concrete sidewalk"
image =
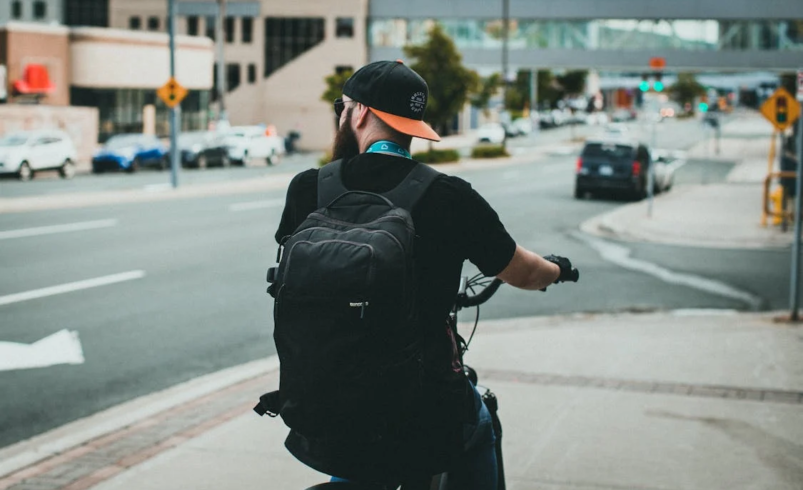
column 721, row 215
column 678, row 400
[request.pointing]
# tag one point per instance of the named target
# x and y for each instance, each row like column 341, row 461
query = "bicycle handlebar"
column 465, row 301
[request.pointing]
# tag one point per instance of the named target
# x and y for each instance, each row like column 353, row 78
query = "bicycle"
column 440, row 481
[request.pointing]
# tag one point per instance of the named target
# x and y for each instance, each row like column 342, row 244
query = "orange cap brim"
column 411, row 127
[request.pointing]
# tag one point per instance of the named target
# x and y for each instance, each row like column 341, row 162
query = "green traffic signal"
column 644, row 86
column 658, row 86
column 703, row 107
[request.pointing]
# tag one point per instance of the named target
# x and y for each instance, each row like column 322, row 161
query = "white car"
column 25, row 152
column 491, row 133
column 249, row 142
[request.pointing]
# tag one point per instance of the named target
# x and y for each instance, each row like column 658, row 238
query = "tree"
column 573, row 82
column 450, row 83
column 686, row 89
column 486, row 89
column 334, row 88
column 518, row 94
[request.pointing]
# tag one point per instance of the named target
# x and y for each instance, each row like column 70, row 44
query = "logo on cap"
column 418, row 101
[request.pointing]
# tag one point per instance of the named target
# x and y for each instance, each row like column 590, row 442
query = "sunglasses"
column 340, row 104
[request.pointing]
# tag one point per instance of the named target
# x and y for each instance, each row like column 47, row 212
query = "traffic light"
column 781, row 110
column 658, row 85
column 703, row 107
column 644, row 86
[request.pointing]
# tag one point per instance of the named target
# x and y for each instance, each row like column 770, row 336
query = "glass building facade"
column 121, row 110
column 607, row 34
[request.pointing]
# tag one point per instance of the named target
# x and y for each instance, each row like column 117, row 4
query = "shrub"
column 489, row 151
column 325, row 158
column 437, row 156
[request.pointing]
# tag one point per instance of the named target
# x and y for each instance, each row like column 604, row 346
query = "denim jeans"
column 476, row 468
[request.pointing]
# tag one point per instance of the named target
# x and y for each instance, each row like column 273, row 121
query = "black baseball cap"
column 395, row 94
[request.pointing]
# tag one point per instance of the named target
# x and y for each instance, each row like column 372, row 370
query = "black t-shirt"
column 454, row 223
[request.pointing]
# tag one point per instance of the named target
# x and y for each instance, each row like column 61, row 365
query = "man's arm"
column 528, row 270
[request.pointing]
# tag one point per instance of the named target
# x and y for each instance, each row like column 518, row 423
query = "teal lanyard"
column 389, row 147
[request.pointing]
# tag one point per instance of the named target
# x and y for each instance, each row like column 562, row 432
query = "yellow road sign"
column 781, row 110
column 172, row 93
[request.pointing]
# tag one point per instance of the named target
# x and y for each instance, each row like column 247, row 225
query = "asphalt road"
column 201, row 304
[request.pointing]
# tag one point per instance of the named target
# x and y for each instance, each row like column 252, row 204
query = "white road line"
column 248, row 206
column 49, row 230
column 157, row 187
column 72, row 286
column 620, row 256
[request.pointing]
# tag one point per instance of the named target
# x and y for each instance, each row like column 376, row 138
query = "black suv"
column 618, row 167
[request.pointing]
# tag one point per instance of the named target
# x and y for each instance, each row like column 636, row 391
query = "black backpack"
column 345, row 313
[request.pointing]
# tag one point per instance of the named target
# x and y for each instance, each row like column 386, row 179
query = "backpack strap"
column 405, row 195
column 330, row 183
column 412, row 188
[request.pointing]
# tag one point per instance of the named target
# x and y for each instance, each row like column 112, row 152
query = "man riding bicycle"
column 449, row 428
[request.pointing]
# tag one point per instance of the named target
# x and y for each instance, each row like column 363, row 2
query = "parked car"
column 249, row 142
column 491, row 133
column 522, row 126
column 202, row 149
column 623, row 114
column 619, row 166
column 131, row 152
column 596, row 119
column 24, row 153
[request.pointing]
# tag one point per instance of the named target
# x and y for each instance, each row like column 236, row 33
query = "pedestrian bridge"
column 691, row 35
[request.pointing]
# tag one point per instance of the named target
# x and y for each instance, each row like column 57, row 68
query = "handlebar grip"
column 574, row 275
column 464, row 301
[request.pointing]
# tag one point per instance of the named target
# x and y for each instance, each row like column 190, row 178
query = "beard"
column 345, row 146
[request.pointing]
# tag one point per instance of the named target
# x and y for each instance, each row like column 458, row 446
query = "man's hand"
column 567, row 273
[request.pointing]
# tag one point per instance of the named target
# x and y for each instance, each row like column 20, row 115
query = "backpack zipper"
column 383, row 232
column 323, row 217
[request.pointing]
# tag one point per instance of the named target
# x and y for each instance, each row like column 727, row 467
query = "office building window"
column 344, row 27
column 248, row 30
column 210, row 27
column 288, row 37
column 232, row 76
column 90, row 13
column 134, row 23
column 229, row 26
column 192, row 25
column 252, row 73
column 153, row 23
column 16, row 9
column 39, row 10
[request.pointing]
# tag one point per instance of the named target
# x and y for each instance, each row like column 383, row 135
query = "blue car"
column 131, row 152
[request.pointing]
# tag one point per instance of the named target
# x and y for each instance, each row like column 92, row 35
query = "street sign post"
column 172, row 93
column 781, row 109
column 795, row 289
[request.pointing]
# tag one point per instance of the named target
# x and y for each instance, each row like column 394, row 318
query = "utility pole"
column 222, row 117
column 174, row 126
column 795, row 289
column 505, row 35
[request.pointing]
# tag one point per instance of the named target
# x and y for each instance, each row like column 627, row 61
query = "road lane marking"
column 157, row 187
column 49, row 230
column 70, row 287
column 62, row 347
column 249, row 206
column 619, row 255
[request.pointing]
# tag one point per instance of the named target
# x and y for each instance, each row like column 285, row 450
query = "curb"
column 67, row 438
column 618, row 224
